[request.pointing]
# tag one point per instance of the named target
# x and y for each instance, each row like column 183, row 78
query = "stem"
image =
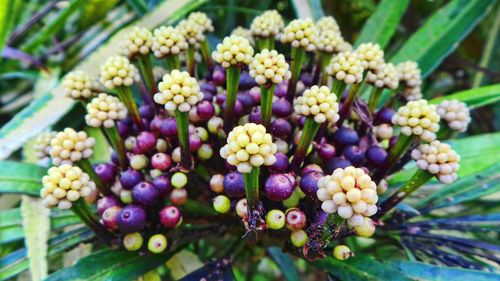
column 374, row 98
column 252, row 193
column 318, row 67
column 265, row 43
column 147, row 73
column 205, row 51
column 298, row 55
column 190, row 60
column 445, row 132
column 182, row 119
column 417, row 180
column 82, row 210
column 325, row 61
column 117, row 144
column 233, row 80
column 346, row 105
column 267, row 94
column 126, row 96
column 338, row 88
column 308, row 132
column 173, row 62
column 395, row 153
column 86, row 167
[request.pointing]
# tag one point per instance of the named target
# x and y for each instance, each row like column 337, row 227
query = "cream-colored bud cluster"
column 350, row 192
column 202, row 20
column 455, row 113
column 42, row 144
column 249, row 146
column 103, row 110
column 168, row 40
column 64, row 184
column 138, row 42
column 330, row 41
column 371, row 55
column 70, row 146
column 191, row 31
column 418, row 118
column 319, row 103
column 301, row 33
column 347, row 67
column 118, row 71
column 412, row 94
column 233, row 50
column 178, row 90
column 384, row 75
column 345, row 47
column 439, row 159
column 245, row 33
column 409, row 74
column 78, row 85
column 269, row 24
column 327, row 23
column 269, row 67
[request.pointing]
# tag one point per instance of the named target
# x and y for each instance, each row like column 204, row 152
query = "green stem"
column 82, row 210
column 347, row 104
column 298, row 55
column 338, row 87
column 308, row 133
column 395, row 153
column 190, row 60
column 266, row 43
column 182, row 119
column 147, row 73
column 126, row 96
column 233, row 80
column 374, row 98
column 173, row 62
column 325, row 61
column 86, row 167
column 445, row 132
column 417, row 180
column 205, row 52
column 117, row 144
column 266, row 104
column 252, row 193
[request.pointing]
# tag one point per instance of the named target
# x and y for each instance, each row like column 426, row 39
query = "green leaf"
column 475, row 97
column 308, row 9
column 22, row 178
column 382, row 24
column 94, row 11
column 285, row 263
column 422, row 271
column 6, row 20
column 10, row 217
column 101, row 147
column 442, row 32
column 139, row 6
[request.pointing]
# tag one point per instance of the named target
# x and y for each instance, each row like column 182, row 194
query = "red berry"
column 170, row 216
column 295, row 219
column 161, row 161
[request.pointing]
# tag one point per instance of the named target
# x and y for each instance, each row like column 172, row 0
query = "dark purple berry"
column 345, row 136
column 306, row 79
column 123, row 128
column 245, row 99
column 255, row 115
column 230, row 167
column 146, row 111
column 205, row 110
column 162, row 185
column 326, row 152
column 107, row 172
column 311, row 168
column 169, row 127
column 281, row 164
column 208, row 87
column 255, row 94
column 194, row 142
column 161, row 161
column 130, row 178
column 238, row 108
column 335, row 163
column 146, row 141
column 155, row 124
column 208, row 97
column 219, row 76
column 281, row 128
column 278, row 187
column 384, row 116
column 144, row 193
column 105, row 203
column 282, row 108
column 111, row 216
column 170, row 216
column 132, row 218
column 301, row 122
column 220, row 98
column 234, row 184
column 114, row 158
column 392, row 142
column 355, row 155
column 321, row 217
column 246, row 81
column 281, row 89
column 309, row 183
column 376, row 155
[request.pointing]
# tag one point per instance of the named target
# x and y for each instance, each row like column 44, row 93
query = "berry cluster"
column 455, row 114
column 301, row 33
column 418, row 118
column 138, row 42
column 104, row 110
column 78, row 85
column 168, row 40
column 439, row 159
column 269, row 66
column 409, row 76
column 370, row 55
column 319, row 103
column 267, row 25
column 70, row 146
column 384, row 75
column 346, row 67
column 118, row 71
column 42, row 145
column 232, row 51
column 178, row 90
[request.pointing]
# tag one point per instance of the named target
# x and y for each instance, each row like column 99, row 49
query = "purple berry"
column 309, row 183
column 384, row 116
column 392, row 142
column 238, row 108
column 105, row 203
column 205, row 110
column 208, row 97
column 220, row 98
column 155, row 124
column 301, row 122
column 162, row 185
column 255, row 115
column 234, row 184
column 144, row 193
column 346, row 136
column 281, row 89
column 281, row 128
column 335, row 163
column 146, row 141
column 278, row 187
column 146, row 111
column 306, row 79
column 355, row 155
column 161, row 161
column 246, row 81
column 194, row 142
column 123, row 128
column 311, row 168
column 321, row 217
column 326, row 152
column 130, row 178
column 281, row 164
column 208, row 87
column 111, row 216
column 282, row 108
column 168, row 127
column 376, row 155
column 245, row 99
column 170, row 216
column 230, row 167
column 219, row 76
column 132, row 218
column 255, row 94
column 107, row 172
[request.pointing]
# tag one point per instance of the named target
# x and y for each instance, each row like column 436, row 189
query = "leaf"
column 10, row 217
column 382, row 24
column 36, row 224
column 94, row 11
column 285, row 263
column 101, row 147
column 474, row 97
column 308, row 9
column 442, row 32
column 6, row 20
column 139, row 6
column 22, row 178
column 183, row 263
column 15, row 54
column 422, row 271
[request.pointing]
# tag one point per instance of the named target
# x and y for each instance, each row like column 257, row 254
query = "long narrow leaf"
column 474, row 97
column 285, row 263
column 21, row 178
column 308, row 9
column 422, row 271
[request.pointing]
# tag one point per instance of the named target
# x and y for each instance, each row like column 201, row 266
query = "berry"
column 355, row 155
column 178, row 196
column 132, row 218
column 345, row 136
column 179, row 180
column 292, row 201
column 234, row 184
column 106, row 202
column 139, row 162
column 282, row 108
column 205, row 110
column 392, row 141
column 242, row 208
column 299, row 238
column 238, row 108
column 326, row 152
column 341, row 252
column 255, row 94
column 205, row 152
column 281, row 128
column 110, row 217
column 281, row 89
column 162, row 185
column 246, row 81
column 335, row 163
column 278, row 187
column 133, row 241
column 146, row 141
column 220, row 98
column 208, row 88
column 255, row 115
column 295, row 219
column 202, row 133
column 144, row 193
column 126, row 196
column 275, row 219
column 384, row 116
column 194, row 142
column 311, row 168
column 281, row 164
column 366, row 229
column 161, row 161
column 155, row 124
column 309, row 183
column 146, row 111
column 217, row 183
column 222, row 204
column 168, row 127
column 161, row 145
column 157, row 243
column 245, row 99
column 107, row 172
column 130, row 178
column 321, row 217
column 170, row 216
column 219, row 76
column 376, row 155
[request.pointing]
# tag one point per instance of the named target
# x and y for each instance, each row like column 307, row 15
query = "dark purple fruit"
column 311, row 168
column 170, row 216
column 245, row 99
column 384, row 116
column 255, row 115
column 278, row 187
column 220, row 98
column 345, row 136
column 281, row 164
column 205, row 110
column 155, row 124
column 208, row 87
column 130, row 178
column 355, row 155
column 376, row 156
column 219, row 76
column 146, row 111
column 169, row 127
column 194, row 142
column 238, row 108
column 306, row 79
column 281, row 128
column 132, row 218
column 309, row 183
column 146, row 141
column 335, row 163
column 162, row 185
column 144, row 193
column 105, row 203
column 281, row 89
column 246, row 81
column 234, row 184
column 326, row 152
column 282, row 108
column 107, row 172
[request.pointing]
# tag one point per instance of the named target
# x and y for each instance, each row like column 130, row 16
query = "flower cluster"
column 319, row 103
column 269, row 66
column 178, row 90
column 327, row 24
column 64, row 184
column 104, row 110
column 267, row 25
column 439, row 159
column 384, row 75
column 138, row 42
column 418, row 118
column 78, row 85
column 455, row 113
column 191, row 32
column 331, row 42
column 233, row 50
column 202, row 20
column 42, row 144
column 70, row 146
column 346, row 67
column 167, row 40
column 118, row 71
column 409, row 76
column 245, row 33
column 301, row 33
column 370, row 55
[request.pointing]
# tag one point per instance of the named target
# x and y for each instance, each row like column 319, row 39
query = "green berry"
column 161, row 145
column 126, row 196
column 222, row 204
column 138, row 162
column 179, row 180
column 154, row 173
column 157, row 243
column 202, row 133
column 205, row 152
column 275, row 219
column 291, row 201
column 299, row 238
column 133, row 241
column 341, row 252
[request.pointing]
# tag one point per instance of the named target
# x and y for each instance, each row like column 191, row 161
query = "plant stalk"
column 117, row 143
column 252, row 194
column 173, row 62
column 205, row 52
column 266, row 43
column 233, row 80
column 395, row 153
column 82, row 210
column 298, row 55
column 266, row 104
column 182, row 119
column 338, row 88
column 190, row 60
column 347, row 104
column 325, row 60
column 308, row 133
column 147, row 73
column 86, row 167
column 126, row 96
column 374, row 98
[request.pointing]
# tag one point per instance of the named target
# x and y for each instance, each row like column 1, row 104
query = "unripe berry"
column 179, row 180
column 162, row 185
column 126, row 196
column 178, row 196
column 107, row 172
column 366, row 229
column 242, row 208
column 133, row 241
column 205, row 152
column 278, row 187
column 299, row 238
column 130, row 178
column 234, row 185
column 292, row 201
column 275, row 219
column 139, row 162
column 295, row 219
column 157, row 243
column 132, row 218
column 144, row 193
column 161, row 161
column 217, row 183
column 170, row 216
column 222, row 204
column 110, row 217
column 355, row 155
column 106, row 202
column 309, row 183
column 342, row 252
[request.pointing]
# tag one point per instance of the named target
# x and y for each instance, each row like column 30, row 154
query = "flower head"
column 330, row 42
column 327, row 24
column 409, row 74
column 319, row 103
column 42, row 144
column 70, row 146
column 455, row 113
column 178, row 90
column 234, row 50
column 249, row 146
column 347, row 67
column 167, row 40
column 384, row 75
column 350, row 192
column 64, row 184
column 439, row 159
column 370, row 55
column 104, row 110
column 418, row 118
column 245, row 33
column 201, row 20
column 414, row 93
column 301, row 33
column 269, row 24
column 137, row 41
column 118, row 71
column 78, row 85
column 191, row 31
column 269, row 67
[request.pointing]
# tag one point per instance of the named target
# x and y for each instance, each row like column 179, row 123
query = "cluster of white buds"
column 328, row 24
column 319, row 103
column 418, row 118
column 249, row 146
column 42, row 144
column 269, row 67
column 331, row 42
column 202, row 20
column 455, row 113
column 64, row 184
column 245, row 33
column 167, row 40
column 350, row 192
column 438, row 159
column 370, row 55
column 347, row 67
column 234, row 50
column 118, row 71
column 409, row 74
column 104, row 110
column 192, row 32
column 384, row 75
column 412, row 93
column 70, row 146
column 138, row 42
column 267, row 25
column 301, row 33
column 178, row 90
column 79, row 85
